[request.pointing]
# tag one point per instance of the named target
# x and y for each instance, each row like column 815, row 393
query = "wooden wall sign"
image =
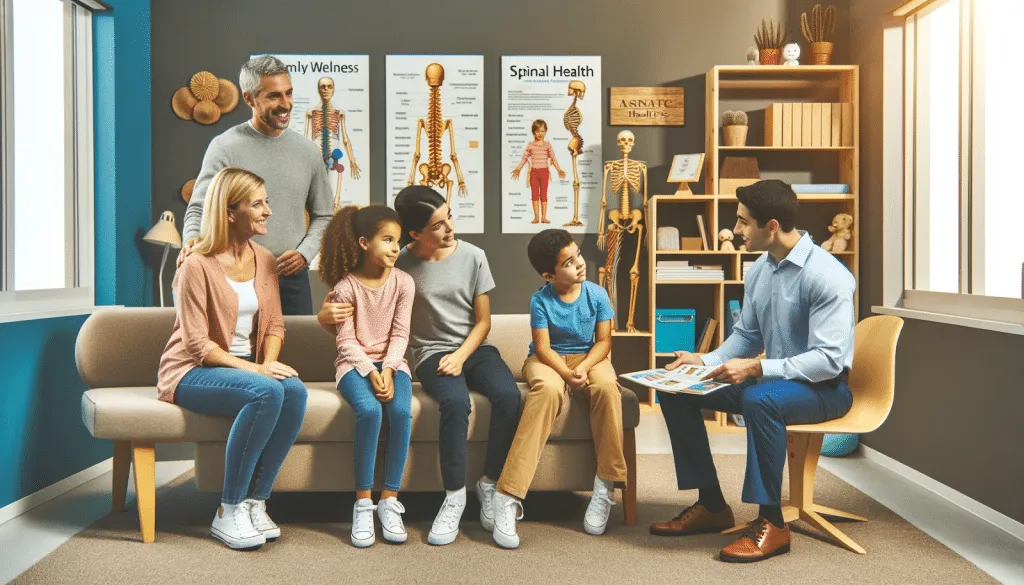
column 646, row 106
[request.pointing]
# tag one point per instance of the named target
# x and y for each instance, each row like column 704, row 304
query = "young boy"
column 571, row 323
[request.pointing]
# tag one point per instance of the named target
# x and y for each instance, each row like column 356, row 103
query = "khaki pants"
column 546, row 398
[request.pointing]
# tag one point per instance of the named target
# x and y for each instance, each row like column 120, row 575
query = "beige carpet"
column 315, row 547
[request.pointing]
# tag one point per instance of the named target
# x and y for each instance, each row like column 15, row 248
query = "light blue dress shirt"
column 799, row 312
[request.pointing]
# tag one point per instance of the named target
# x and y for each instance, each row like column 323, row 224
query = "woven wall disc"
column 204, row 85
column 186, row 190
column 227, row 98
column 206, row 112
column 182, row 103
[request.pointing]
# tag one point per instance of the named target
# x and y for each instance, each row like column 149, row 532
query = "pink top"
column 538, row 155
column 208, row 314
column 379, row 328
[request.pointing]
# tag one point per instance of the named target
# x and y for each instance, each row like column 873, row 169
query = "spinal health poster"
column 551, row 115
column 332, row 109
column 435, row 104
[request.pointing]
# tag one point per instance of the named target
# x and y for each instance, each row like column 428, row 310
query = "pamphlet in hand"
column 684, row 379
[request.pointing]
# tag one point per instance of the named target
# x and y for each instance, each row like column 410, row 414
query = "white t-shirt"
column 248, row 304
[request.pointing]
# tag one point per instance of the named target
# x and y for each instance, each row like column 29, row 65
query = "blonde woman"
column 222, row 355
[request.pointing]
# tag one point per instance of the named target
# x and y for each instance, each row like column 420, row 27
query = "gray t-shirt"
column 295, row 177
column 442, row 313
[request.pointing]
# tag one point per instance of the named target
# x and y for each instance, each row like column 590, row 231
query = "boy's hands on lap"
column 579, row 378
column 451, row 364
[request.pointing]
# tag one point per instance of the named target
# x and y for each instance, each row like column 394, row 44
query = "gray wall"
column 958, row 390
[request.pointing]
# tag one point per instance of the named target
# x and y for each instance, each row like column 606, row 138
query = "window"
column 46, row 233
column 961, row 253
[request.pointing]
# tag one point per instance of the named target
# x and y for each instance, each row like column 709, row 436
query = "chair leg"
column 144, row 461
column 832, row 512
column 122, row 465
column 629, row 493
column 836, row 535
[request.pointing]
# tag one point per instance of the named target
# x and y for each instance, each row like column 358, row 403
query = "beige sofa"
column 117, row 353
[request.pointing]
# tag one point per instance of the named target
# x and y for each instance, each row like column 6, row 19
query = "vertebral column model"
column 326, row 126
column 626, row 176
column 434, row 173
column 572, row 119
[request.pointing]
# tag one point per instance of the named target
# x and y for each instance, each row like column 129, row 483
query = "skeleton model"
column 434, row 173
column 572, row 120
column 326, row 126
column 626, row 176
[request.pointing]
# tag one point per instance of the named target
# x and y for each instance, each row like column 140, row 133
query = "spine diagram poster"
column 436, row 131
column 332, row 109
column 551, row 152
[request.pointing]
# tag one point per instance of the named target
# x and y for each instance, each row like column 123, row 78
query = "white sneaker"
column 233, row 526
column 362, row 523
column 506, row 511
column 446, row 525
column 390, row 512
column 596, row 518
column 262, row 522
column 485, row 493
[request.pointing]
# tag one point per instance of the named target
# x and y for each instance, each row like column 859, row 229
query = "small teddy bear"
column 841, row 233
column 725, row 241
column 752, row 55
column 791, row 53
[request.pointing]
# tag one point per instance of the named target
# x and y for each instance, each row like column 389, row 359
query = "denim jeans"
column 296, row 294
column 268, row 414
column 358, row 392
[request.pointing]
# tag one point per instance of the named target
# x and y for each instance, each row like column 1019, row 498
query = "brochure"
column 684, row 379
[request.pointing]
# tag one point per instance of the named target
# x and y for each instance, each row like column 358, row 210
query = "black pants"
column 487, row 374
column 296, row 296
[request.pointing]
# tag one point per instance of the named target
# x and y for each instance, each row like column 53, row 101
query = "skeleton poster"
column 551, row 143
column 435, row 135
column 332, row 110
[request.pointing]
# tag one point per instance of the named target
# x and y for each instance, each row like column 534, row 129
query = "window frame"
column 969, row 307
column 78, row 294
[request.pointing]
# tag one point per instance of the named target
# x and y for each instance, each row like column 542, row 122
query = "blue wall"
column 42, row 438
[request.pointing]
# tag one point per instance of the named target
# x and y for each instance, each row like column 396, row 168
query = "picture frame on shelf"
column 685, row 169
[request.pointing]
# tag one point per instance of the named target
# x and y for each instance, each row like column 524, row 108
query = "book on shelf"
column 746, row 266
column 703, row 231
column 684, row 379
column 707, row 335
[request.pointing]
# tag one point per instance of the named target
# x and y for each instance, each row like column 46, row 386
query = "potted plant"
column 818, row 30
column 770, row 39
column 734, row 128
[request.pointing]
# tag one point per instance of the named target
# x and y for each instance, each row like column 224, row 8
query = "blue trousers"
column 268, row 414
column 766, row 408
column 358, row 392
column 296, row 294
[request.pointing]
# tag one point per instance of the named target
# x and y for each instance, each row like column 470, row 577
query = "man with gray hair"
column 295, row 176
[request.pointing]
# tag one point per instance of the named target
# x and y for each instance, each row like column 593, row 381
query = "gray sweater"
column 295, row 177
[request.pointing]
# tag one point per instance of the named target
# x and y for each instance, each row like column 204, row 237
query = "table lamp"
column 165, row 234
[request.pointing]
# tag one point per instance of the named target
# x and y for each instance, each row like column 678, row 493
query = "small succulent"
column 737, row 118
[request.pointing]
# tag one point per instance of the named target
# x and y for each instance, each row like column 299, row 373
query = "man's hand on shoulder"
column 290, row 262
column 186, row 249
column 685, row 358
column 736, row 371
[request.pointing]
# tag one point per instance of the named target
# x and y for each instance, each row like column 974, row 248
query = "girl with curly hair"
column 359, row 252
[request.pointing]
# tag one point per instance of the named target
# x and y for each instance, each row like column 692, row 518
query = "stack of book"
column 747, row 264
column 681, row 270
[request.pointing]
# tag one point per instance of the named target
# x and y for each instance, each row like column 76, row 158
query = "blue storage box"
column 674, row 330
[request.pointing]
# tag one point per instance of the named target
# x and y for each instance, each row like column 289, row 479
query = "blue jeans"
column 268, row 414
column 766, row 408
column 296, row 294
column 358, row 392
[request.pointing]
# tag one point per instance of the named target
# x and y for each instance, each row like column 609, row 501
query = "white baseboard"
column 15, row 509
column 993, row 517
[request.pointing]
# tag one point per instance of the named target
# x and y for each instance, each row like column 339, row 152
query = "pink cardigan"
column 379, row 328
column 208, row 313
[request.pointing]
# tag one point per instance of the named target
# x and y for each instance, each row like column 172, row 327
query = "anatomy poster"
column 551, row 143
column 332, row 109
column 435, row 105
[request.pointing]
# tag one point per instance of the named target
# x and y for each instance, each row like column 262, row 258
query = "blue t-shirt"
column 571, row 326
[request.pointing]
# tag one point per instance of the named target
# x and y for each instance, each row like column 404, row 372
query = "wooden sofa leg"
column 629, row 494
column 122, row 465
column 144, row 461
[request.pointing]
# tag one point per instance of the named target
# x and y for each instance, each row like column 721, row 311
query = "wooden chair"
column 872, row 384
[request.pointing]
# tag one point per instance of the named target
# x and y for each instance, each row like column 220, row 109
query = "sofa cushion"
column 134, row 413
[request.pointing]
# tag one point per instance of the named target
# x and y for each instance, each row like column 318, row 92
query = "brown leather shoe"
column 763, row 541
column 695, row 520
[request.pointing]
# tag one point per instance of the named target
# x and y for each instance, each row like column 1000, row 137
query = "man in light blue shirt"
column 798, row 310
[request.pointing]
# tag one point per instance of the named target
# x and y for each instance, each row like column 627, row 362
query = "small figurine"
column 841, row 233
column 725, row 241
column 790, row 54
column 752, row 55
column 743, row 247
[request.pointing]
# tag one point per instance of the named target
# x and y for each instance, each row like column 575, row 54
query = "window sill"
column 49, row 314
column 959, row 320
